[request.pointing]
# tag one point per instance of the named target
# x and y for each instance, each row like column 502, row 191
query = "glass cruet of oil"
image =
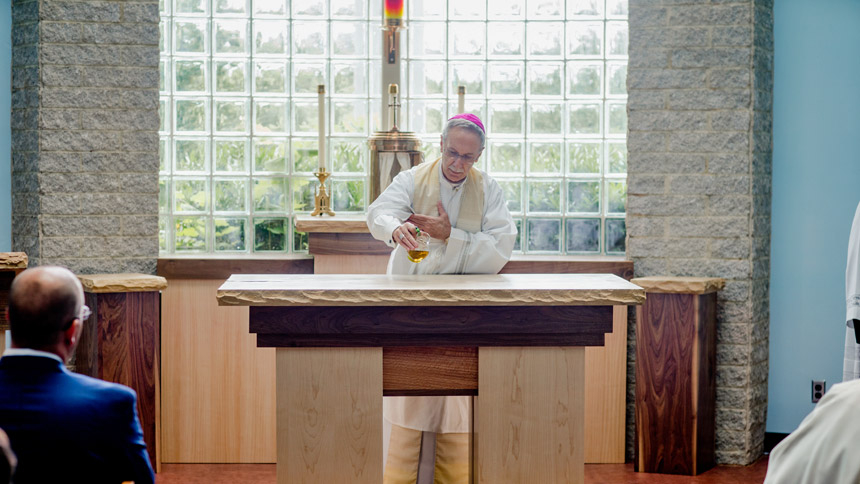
column 423, row 240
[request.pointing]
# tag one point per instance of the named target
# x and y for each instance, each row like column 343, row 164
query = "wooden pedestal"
column 329, row 414
column 675, row 375
column 120, row 343
column 529, row 415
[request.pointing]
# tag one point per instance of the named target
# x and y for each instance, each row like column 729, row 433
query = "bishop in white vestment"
column 472, row 232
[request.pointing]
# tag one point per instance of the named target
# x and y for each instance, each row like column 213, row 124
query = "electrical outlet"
column 819, row 387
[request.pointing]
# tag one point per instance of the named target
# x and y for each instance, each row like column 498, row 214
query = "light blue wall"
column 5, row 133
column 816, row 188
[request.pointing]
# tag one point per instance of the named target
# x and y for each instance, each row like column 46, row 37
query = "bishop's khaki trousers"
column 404, row 455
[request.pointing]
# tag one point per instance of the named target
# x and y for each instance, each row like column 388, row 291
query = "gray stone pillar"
column 700, row 83
column 85, row 134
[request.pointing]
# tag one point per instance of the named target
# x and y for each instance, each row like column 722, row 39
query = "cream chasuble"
column 481, row 241
column 823, row 449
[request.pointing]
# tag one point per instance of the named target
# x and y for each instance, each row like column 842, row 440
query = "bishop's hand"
column 405, row 235
column 438, row 227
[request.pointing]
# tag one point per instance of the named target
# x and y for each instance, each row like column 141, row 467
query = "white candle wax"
column 461, row 99
column 321, row 91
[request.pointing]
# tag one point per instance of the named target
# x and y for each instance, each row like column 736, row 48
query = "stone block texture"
column 700, row 87
column 85, row 133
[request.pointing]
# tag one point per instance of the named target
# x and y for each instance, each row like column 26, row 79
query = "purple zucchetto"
column 470, row 117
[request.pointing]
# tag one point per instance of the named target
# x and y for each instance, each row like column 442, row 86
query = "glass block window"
column 239, row 118
column 239, row 113
column 548, row 77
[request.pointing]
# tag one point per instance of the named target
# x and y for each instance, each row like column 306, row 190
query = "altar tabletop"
column 429, row 290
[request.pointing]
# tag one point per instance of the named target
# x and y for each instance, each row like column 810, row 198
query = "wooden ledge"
column 13, row 261
column 569, row 264
column 101, row 283
column 222, row 268
column 350, row 224
column 680, row 285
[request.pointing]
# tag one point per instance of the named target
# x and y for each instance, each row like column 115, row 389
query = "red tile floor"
column 594, row 474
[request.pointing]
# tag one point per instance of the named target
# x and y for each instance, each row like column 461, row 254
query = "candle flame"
column 393, row 9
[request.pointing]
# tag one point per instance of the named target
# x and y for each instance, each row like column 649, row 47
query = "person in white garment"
column 851, row 363
column 823, row 449
column 472, row 232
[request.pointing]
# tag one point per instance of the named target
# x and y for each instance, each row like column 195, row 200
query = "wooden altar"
column 332, row 332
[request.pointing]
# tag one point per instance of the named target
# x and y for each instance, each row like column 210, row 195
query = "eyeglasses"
column 83, row 316
column 450, row 153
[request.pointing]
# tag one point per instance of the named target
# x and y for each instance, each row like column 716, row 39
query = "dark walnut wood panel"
column 395, row 339
column 120, row 343
column 181, row 268
column 343, row 326
column 6, row 278
column 323, row 243
column 675, row 386
column 664, row 356
column 129, row 332
column 566, row 265
column 113, row 335
column 706, row 411
column 346, row 320
column 86, row 361
column 411, row 370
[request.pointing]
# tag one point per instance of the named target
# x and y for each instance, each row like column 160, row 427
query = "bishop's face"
column 459, row 152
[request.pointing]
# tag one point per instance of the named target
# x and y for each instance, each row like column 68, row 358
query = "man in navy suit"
column 63, row 427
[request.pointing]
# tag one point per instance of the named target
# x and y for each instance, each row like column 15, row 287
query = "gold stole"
column 427, row 194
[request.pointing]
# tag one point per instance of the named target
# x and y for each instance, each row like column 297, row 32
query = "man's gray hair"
column 465, row 124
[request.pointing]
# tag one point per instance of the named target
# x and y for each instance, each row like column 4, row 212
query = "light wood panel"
column 530, row 399
column 605, row 394
column 218, row 388
column 343, row 223
column 322, row 243
column 329, row 415
column 350, row 264
column 605, row 386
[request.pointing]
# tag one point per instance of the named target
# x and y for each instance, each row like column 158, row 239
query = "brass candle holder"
column 322, row 200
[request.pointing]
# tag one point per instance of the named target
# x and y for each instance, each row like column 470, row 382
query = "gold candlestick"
column 322, row 200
